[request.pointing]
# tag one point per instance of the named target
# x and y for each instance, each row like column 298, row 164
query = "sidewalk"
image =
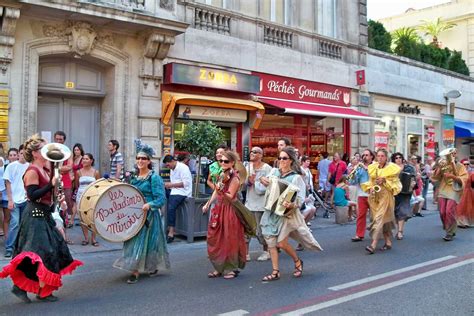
column 76, row 236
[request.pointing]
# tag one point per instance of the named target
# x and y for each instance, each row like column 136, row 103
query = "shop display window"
column 431, row 138
column 310, row 135
column 390, row 133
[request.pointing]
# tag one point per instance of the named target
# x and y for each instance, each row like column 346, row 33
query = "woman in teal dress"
column 147, row 251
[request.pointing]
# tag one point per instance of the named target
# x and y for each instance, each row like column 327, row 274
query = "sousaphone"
column 56, row 153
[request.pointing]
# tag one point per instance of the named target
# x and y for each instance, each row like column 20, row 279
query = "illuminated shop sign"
column 302, row 90
column 210, row 78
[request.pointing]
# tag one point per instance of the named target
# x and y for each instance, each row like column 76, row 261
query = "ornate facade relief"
column 156, row 49
column 9, row 16
column 82, row 36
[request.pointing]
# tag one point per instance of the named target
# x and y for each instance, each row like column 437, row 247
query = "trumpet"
column 351, row 175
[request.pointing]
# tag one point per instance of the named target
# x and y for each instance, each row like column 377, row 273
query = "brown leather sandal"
column 298, row 272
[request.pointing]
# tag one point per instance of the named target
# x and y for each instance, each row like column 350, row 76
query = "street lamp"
column 453, row 94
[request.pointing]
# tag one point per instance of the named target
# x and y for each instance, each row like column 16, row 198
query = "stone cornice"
column 145, row 19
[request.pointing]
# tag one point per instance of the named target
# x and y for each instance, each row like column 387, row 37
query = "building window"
column 326, row 13
column 276, row 11
column 217, row 3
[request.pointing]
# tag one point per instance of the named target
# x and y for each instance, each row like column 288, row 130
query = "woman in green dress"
column 147, row 251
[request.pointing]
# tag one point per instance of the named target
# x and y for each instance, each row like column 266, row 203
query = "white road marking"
column 387, row 274
column 238, row 312
column 374, row 290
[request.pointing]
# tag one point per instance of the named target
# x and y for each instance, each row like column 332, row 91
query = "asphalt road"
column 423, row 275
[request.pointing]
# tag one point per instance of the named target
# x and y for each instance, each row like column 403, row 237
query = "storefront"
column 412, row 128
column 464, row 132
column 194, row 93
column 314, row 116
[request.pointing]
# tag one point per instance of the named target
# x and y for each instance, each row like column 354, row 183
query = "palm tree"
column 434, row 28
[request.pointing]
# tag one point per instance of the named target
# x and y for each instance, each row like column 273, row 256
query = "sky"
column 377, row 9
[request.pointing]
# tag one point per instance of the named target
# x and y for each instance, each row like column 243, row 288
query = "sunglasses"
column 466, row 164
column 398, row 157
column 141, row 158
column 255, row 152
column 283, row 158
column 223, row 161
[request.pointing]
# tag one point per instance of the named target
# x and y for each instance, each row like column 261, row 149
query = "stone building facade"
column 103, row 69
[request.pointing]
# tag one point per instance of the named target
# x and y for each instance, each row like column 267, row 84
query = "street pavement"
column 421, row 275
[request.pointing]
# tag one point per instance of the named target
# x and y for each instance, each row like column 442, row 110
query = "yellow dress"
column 382, row 204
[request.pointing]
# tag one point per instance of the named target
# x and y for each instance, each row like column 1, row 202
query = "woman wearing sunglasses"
column 147, row 251
column 403, row 209
column 277, row 229
column 465, row 209
column 226, row 245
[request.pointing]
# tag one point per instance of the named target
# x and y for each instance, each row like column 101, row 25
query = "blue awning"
column 463, row 129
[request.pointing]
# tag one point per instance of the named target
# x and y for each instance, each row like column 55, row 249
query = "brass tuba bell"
column 55, row 152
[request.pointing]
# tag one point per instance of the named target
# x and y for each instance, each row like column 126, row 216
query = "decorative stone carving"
column 167, row 4
column 156, row 49
column 82, row 38
column 57, row 30
column 9, row 17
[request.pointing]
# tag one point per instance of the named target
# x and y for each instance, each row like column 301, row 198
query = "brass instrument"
column 351, row 175
column 445, row 164
column 56, row 153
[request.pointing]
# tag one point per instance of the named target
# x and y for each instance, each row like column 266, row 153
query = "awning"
column 463, row 129
column 170, row 99
column 312, row 109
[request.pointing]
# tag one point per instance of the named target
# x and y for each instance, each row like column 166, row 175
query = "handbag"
column 332, row 180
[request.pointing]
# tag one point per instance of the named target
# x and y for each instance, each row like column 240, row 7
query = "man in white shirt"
column 181, row 187
column 256, row 195
column 16, row 193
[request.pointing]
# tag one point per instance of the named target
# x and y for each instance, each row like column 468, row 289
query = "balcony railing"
column 277, row 36
column 330, row 49
column 213, row 21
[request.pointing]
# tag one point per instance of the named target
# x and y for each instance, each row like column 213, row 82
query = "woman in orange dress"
column 465, row 208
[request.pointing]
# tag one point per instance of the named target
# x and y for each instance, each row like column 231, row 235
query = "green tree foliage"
column 433, row 55
column 457, row 64
column 379, row 37
column 201, row 140
column 434, row 28
column 407, row 43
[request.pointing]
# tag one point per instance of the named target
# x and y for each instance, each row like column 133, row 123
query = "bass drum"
column 112, row 209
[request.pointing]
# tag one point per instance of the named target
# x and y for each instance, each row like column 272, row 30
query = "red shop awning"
column 312, row 109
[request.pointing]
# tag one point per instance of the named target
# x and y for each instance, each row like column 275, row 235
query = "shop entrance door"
column 414, row 145
column 78, row 118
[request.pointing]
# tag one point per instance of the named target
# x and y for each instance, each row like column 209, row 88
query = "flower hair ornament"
column 141, row 147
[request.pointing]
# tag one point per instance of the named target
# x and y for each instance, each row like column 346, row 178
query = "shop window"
column 390, row 133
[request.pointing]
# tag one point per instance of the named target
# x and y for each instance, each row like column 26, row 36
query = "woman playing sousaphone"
column 277, row 229
column 382, row 186
column 146, row 252
column 41, row 255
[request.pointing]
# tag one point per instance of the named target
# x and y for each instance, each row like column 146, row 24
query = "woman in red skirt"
column 226, row 245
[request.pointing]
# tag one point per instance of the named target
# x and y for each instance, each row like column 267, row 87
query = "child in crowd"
column 341, row 196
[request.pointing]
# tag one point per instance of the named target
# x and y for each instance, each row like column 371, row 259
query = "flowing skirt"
column 41, row 254
column 146, row 252
column 382, row 207
column 403, row 209
column 465, row 208
column 226, row 245
column 276, row 228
